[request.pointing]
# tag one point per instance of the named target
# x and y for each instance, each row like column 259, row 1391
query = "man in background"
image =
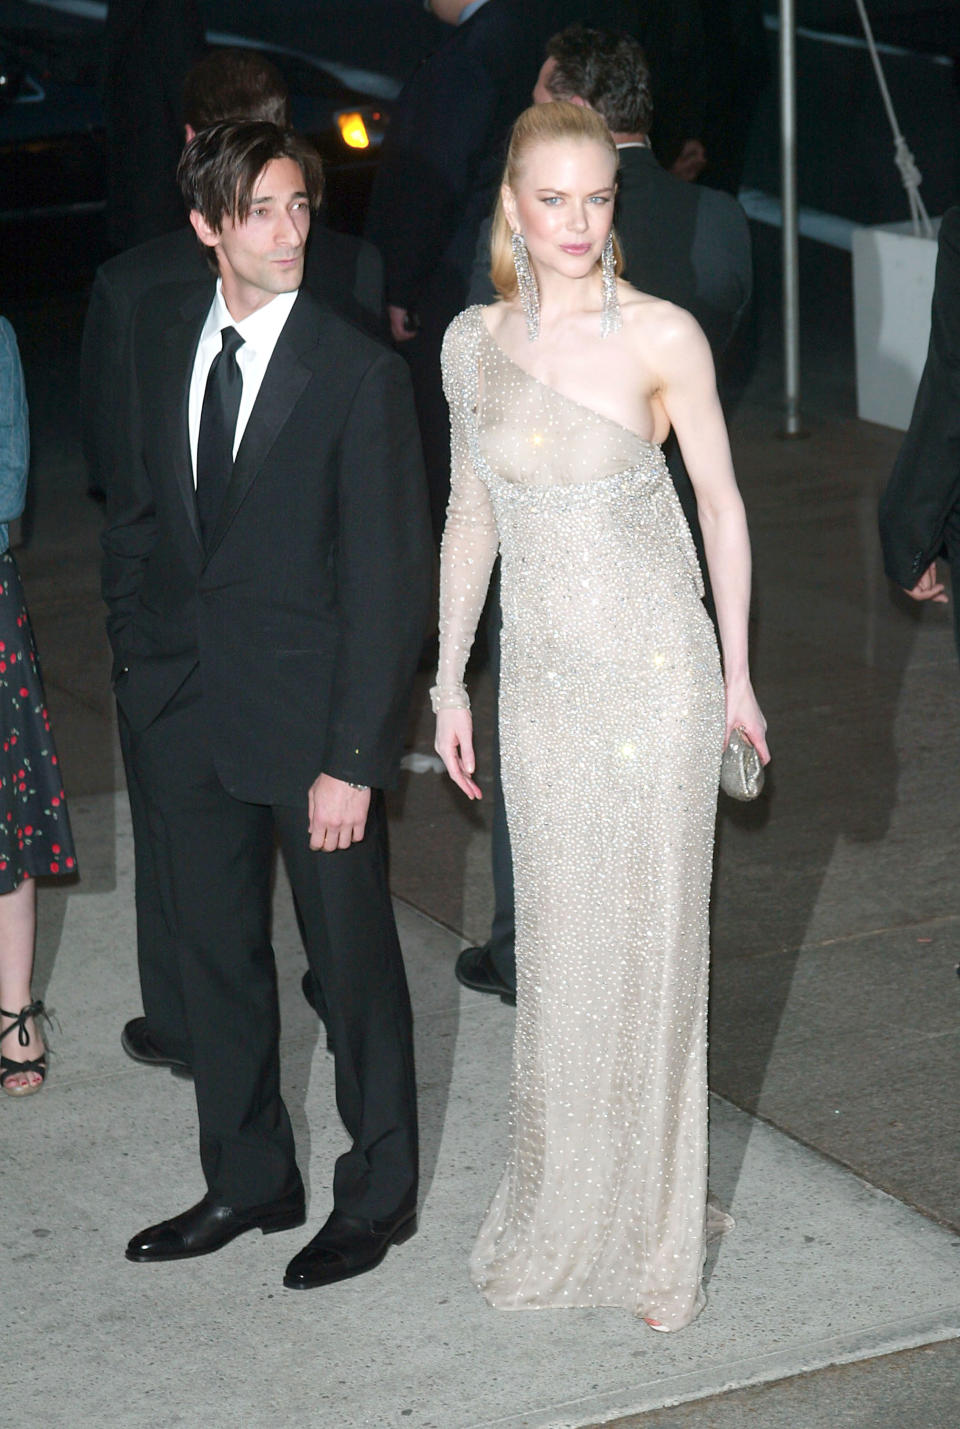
column 682, row 242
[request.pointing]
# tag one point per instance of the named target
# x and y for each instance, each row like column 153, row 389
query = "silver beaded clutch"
column 741, row 773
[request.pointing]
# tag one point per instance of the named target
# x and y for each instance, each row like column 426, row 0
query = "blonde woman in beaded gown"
column 613, row 716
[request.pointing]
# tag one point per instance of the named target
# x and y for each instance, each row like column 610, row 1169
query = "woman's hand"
column 454, row 744
column 744, row 713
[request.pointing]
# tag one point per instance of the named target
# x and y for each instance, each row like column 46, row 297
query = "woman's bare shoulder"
column 656, row 321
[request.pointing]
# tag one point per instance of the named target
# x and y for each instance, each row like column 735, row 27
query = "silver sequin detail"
column 611, row 725
column 610, row 318
column 527, row 290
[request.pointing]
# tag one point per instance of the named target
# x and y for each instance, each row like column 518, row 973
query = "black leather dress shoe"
column 136, row 1041
column 209, row 1225
column 310, row 991
column 475, row 969
column 345, row 1247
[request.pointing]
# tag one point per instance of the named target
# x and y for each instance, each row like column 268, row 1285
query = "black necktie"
column 218, row 423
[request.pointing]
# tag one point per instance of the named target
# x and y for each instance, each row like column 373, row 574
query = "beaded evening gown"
column 611, row 728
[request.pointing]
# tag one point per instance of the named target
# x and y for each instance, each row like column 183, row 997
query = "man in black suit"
column 348, row 274
column 267, row 571
column 688, row 244
column 920, row 508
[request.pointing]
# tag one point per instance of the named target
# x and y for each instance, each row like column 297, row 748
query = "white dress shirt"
column 259, row 332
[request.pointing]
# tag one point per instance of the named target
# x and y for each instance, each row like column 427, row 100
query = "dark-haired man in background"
column 343, row 271
column 267, row 571
column 682, row 242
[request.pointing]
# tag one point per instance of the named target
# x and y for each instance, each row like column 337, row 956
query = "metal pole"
column 788, row 204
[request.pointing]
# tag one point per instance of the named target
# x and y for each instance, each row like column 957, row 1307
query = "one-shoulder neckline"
column 600, row 416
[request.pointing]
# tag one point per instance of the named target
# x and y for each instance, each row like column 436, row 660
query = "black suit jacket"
column 307, row 611
column 688, row 244
column 920, row 507
column 345, row 272
column 149, row 47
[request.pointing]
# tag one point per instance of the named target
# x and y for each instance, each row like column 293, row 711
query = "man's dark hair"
column 220, row 166
column 235, row 84
column 607, row 70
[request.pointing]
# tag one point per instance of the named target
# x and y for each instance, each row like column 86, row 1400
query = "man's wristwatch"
column 360, row 788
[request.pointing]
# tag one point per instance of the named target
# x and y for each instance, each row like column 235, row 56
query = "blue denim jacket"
column 14, row 433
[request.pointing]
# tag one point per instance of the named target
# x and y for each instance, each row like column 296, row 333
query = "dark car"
column 52, row 146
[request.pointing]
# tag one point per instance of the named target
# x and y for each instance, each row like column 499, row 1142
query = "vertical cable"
column 902, row 157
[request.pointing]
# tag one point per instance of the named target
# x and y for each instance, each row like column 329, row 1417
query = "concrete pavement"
column 795, row 1286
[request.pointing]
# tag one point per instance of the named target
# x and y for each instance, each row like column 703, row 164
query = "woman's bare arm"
column 688, row 393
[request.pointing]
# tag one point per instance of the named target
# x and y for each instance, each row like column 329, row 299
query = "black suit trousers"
column 213, row 858
column 157, row 960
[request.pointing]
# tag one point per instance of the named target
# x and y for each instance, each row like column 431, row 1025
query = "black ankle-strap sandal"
column 11, row 1068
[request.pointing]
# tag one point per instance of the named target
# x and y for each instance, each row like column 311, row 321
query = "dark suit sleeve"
column 384, row 577
column 130, row 531
column 442, row 132
column 105, row 331
column 924, row 487
column 369, row 289
column 481, row 289
column 346, row 273
column 674, row 40
column 724, row 288
column 148, row 47
column 742, row 248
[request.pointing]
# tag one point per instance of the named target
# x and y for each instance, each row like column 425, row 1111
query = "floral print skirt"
column 35, row 836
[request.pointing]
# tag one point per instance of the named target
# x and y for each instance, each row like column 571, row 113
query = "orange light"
column 353, row 130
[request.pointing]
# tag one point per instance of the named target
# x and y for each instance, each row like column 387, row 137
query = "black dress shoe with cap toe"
column 209, row 1225
column 347, row 1246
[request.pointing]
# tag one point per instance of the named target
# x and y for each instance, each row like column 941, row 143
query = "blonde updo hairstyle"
column 553, row 123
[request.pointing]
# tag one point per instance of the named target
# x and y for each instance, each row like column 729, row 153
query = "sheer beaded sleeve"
column 470, row 540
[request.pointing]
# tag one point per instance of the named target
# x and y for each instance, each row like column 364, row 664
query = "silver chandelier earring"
column 527, row 289
column 610, row 320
